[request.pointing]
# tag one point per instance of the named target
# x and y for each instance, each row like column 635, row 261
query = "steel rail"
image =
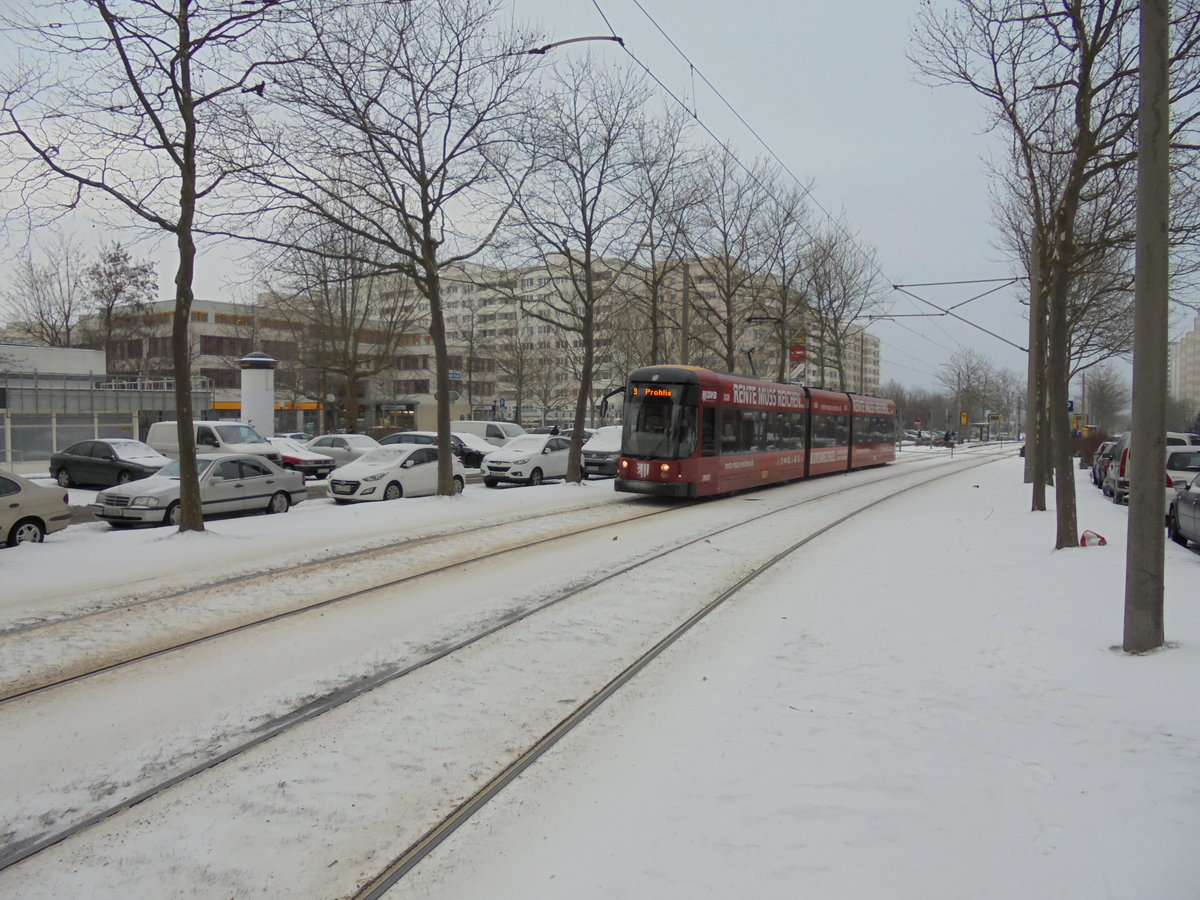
column 421, row 848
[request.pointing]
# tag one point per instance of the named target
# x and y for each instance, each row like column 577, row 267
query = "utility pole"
column 1145, row 546
column 1035, row 406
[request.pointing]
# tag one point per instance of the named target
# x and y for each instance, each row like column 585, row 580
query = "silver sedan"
column 229, row 482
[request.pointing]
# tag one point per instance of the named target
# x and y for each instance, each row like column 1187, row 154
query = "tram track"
column 113, row 640
column 431, row 839
column 353, row 690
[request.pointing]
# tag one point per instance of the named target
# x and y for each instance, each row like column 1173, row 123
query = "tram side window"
column 708, row 431
column 737, row 431
column 866, row 430
column 774, row 433
column 829, row 430
column 760, row 440
column 876, row 430
column 791, row 431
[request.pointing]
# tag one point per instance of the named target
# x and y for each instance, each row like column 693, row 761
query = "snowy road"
column 334, row 799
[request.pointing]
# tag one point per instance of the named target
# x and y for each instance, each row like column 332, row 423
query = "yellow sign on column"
column 962, row 418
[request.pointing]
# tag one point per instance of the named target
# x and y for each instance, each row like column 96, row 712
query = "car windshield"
column 239, row 434
column 527, row 442
column 132, row 449
column 1180, row 461
column 606, row 440
column 171, row 469
column 474, row 441
column 386, row 456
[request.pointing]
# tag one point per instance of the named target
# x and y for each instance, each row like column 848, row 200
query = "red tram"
column 691, row 432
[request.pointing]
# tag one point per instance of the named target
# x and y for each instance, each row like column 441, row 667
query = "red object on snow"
column 1091, row 539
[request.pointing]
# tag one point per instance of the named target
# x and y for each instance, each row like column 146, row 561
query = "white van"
column 212, row 437
column 498, row 433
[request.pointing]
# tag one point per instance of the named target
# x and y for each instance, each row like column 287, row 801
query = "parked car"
column 1100, row 462
column 28, row 511
column 294, row 455
column 1183, row 515
column 470, row 448
column 475, row 448
column 527, row 459
column 212, row 436
column 392, row 472
column 229, row 482
column 301, row 436
column 1116, row 476
column 343, row 448
column 105, row 461
column 1183, row 463
column 497, row 433
column 602, row 452
column 1182, row 439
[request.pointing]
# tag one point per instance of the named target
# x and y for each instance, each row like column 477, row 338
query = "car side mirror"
column 216, row 478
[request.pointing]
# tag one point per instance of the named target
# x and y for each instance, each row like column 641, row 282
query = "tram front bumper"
column 656, row 488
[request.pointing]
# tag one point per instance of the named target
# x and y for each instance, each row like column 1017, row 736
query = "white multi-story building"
column 1183, row 379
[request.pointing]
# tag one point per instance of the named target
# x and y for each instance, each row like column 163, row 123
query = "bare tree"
column 48, row 296
column 1106, row 395
column 576, row 214
column 396, row 121
column 123, row 106
column 726, row 241
column 350, row 316
column 664, row 195
column 787, row 238
column 118, row 293
column 1062, row 82
column 841, row 287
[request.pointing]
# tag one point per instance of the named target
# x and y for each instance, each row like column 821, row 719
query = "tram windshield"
column 660, row 420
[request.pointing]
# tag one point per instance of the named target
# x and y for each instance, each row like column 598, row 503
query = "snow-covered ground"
column 924, row 704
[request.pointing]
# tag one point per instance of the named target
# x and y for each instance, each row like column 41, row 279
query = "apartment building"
column 1184, row 367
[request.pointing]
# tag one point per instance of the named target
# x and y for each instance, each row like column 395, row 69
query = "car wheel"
column 1173, row 530
column 393, row 491
column 63, row 477
column 535, row 477
column 490, row 482
column 172, row 515
column 124, row 478
column 27, row 531
column 459, row 484
column 279, row 503
column 1117, row 497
